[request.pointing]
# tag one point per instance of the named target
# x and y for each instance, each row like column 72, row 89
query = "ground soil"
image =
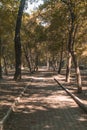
column 10, row 90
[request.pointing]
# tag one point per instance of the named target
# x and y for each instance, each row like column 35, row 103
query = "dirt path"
column 45, row 106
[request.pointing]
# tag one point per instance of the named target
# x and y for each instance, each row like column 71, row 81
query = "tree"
column 53, row 15
column 8, row 10
column 32, row 42
column 72, row 7
column 17, row 40
column 75, row 14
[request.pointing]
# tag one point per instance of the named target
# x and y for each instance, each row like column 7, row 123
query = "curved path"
column 45, row 106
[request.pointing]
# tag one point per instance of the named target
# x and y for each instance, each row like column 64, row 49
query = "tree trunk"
column 68, row 67
column 17, row 74
column 0, row 59
column 61, row 58
column 27, row 58
column 78, row 76
column 36, row 62
column 48, row 63
column 5, row 65
column 53, row 63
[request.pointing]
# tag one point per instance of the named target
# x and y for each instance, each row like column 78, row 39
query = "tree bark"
column 5, row 65
column 0, row 59
column 61, row 59
column 36, row 62
column 17, row 74
column 27, row 58
column 48, row 62
column 78, row 75
column 68, row 67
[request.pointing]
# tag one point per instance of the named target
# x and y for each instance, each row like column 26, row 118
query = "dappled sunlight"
column 43, row 99
column 42, row 106
column 42, row 41
column 48, row 126
column 82, row 119
column 8, row 82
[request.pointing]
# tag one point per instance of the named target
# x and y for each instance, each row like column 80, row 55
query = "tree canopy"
column 44, row 33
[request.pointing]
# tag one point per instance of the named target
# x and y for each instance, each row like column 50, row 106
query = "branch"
column 65, row 1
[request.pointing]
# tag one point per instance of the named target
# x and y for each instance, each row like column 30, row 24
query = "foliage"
column 45, row 29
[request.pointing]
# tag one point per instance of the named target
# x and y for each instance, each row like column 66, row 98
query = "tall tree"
column 73, row 26
column 8, row 10
column 17, row 40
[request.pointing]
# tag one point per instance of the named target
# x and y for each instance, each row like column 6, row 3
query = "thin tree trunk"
column 68, row 67
column 5, row 65
column 27, row 58
column 36, row 58
column 0, row 59
column 69, row 59
column 53, row 63
column 78, row 76
column 61, row 58
column 17, row 74
column 36, row 62
column 48, row 63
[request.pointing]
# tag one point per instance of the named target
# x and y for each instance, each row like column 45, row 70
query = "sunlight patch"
column 82, row 119
column 47, row 126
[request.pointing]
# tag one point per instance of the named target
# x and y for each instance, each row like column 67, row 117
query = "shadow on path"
column 45, row 106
